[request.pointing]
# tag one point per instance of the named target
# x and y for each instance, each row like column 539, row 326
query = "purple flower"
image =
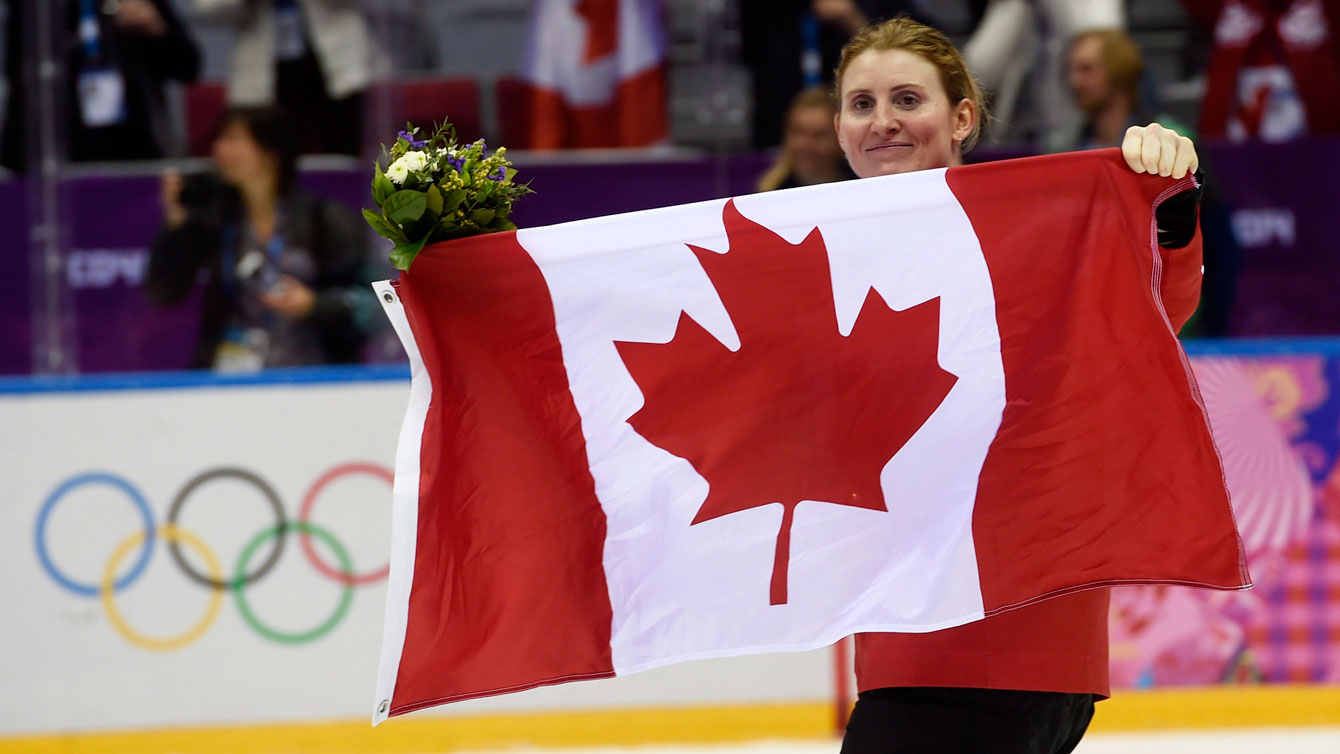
column 501, row 175
column 407, row 136
column 456, row 163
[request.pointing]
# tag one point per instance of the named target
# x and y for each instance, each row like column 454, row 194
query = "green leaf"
column 403, row 255
column 384, row 228
column 434, row 198
column 511, row 173
column 421, row 227
column 381, row 185
column 482, row 217
column 405, row 207
column 452, row 200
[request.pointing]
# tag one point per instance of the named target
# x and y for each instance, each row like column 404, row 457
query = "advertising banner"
column 1276, row 419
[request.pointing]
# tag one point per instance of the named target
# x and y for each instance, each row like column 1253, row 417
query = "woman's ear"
column 965, row 118
column 837, row 127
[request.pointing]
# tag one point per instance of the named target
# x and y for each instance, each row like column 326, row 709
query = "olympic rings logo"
column 250, row 567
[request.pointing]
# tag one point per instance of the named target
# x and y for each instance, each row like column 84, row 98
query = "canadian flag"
column 765, row 423
column 597, row 74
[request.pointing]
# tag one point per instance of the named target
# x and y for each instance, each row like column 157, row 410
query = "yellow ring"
column 171, row 534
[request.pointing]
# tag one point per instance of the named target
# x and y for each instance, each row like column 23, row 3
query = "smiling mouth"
column 887, row 146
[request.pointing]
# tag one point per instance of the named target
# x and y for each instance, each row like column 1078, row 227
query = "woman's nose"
column 886, row 119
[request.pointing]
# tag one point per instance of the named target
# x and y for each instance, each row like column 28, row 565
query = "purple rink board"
column 16, row 345
column 1284, row 201
column 113, row 220
column 1281, row 199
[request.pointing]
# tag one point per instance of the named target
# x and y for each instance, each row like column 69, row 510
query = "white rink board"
column 68, row 668
column 1292, row 740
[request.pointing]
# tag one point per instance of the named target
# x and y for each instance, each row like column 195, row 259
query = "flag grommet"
column 388, row 297
column 384, row 706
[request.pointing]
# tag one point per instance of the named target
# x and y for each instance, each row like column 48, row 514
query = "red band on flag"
column 1078, row 373
column 602, row 28
column 508, row 565
column 635, row 116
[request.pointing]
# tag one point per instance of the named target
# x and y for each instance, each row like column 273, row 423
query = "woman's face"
column 894, row 116
column 239, row 158
column 809, row 143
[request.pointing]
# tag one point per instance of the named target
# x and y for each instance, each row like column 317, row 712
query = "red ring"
column 309, row 500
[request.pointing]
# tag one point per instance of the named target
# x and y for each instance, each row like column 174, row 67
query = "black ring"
column 205, row 476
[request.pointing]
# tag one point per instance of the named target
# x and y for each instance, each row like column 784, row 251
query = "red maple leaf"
column 602, row 28
column 799, row 412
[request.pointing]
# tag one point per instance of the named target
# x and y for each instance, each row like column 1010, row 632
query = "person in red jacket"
column 1275, row 69
column 1024, row 680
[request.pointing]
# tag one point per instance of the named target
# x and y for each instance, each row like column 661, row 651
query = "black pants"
column 958, row 721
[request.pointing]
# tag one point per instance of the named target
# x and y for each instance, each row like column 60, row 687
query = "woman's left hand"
column 1157, row 150
column 290, row 298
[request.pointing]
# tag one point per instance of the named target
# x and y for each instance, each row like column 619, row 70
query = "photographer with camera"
column 285, row 274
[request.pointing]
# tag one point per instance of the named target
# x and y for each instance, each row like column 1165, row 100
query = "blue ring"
column 94, row 477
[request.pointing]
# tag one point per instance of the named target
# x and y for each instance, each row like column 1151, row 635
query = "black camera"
column 206, row 197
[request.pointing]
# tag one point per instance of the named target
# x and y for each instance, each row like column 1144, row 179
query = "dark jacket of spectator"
column 146, row 55
column 773, row 44
column 13, row 150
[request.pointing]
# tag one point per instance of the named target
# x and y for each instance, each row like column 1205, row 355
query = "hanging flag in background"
column 596, row 74
column 761, row 424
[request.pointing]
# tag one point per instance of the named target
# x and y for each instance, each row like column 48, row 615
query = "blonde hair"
column 814, row 97
column 932, row 45
column 1121, row 58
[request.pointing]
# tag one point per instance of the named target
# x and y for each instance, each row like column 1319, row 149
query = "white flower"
column 408, row 163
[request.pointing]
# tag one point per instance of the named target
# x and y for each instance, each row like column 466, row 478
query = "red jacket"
column 1059, row 644
column 1300, row 34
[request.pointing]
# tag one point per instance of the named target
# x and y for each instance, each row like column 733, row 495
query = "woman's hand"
column 140, row 17
column 841, row 13
column 174, row 212
column 1157, row 150
column 290, row 298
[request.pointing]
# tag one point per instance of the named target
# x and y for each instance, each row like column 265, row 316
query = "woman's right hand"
column 174, row 212
column 1157, row 150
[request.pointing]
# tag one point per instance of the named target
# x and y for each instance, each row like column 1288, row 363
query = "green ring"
column 239, row 581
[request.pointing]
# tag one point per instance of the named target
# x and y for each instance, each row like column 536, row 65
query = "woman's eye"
column 861, row 104
column 908, row 100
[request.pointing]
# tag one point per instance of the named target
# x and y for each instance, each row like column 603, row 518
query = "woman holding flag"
column 1024, row 680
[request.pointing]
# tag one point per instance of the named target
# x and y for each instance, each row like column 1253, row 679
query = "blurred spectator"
column 285, row 273
column 1275, row 70
column 120, row 54
column 311, row 57
column 789, row 45
column 1017, row 38
column 1103, row 69
column 810, row 150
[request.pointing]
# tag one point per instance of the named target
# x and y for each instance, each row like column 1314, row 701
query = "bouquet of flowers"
column 434, row 189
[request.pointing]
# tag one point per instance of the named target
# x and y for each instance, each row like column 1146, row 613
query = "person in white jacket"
column 1019, row 37
column 309, row 57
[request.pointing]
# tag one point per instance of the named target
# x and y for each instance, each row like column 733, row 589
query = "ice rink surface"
column 1237, row 741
